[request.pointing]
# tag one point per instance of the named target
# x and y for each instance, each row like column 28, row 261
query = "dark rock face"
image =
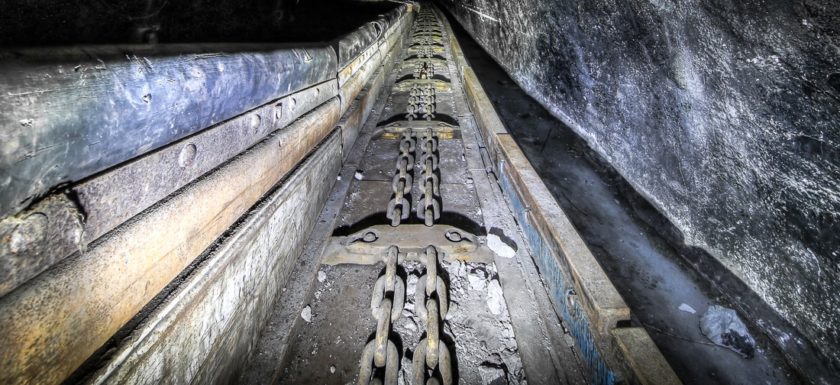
column 725, row 114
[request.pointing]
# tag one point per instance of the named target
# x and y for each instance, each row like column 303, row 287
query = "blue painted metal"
column 559, row 285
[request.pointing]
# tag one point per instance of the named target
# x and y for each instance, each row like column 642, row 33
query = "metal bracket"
column 367, row 246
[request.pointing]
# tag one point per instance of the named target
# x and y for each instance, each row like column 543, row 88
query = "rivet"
column 187, row 156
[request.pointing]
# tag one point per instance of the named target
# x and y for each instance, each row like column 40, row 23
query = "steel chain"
column 399, row 207
column 386, row 305
column 431, row 304
column 429, row 209
column 432, row 362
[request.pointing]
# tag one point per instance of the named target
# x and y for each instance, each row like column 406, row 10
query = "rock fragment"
column 306, row 314
column 495, row 298
column 495, row 243
column 722, row 326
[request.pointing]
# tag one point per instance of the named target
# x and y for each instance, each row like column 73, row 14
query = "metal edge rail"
column 66, row 222
column 26, row 357
column 581, row 292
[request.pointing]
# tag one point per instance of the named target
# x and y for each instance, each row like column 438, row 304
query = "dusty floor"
column 649, row 273
column 338, row 323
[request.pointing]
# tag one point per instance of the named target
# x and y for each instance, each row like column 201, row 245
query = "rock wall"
column 725, row 114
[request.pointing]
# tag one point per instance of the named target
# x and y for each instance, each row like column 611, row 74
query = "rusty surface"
column 116, row 196
column 366, row 246
column 643, row 358
column 231, row 294
column 68, row 113
column 58, row 319
column 35, row 239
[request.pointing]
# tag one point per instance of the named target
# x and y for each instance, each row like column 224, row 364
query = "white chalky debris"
column 306, row 314
column 322, row 276
column 491, row 375
column 477, row 279
column 461, row 269
column 687, row 308
column 358, row 175
column 495, row 298
column 410, row 287
column 332, row 369
column 499, row 247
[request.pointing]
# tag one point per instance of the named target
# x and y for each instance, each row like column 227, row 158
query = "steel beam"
column 230, row 295
column 57, row 320
column 67, row 113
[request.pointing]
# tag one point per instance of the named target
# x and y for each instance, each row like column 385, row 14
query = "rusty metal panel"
column 230, row 295
column 36, row 238
column 349, row 46
column 357, row 114
column 58, row 319
column 351, row 68
column 643, row 358
column 350, row 89
column 67, row 113
column 118, row 195
column 358, row 46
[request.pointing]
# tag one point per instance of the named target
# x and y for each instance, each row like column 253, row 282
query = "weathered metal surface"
column 440, row 85
column 68, row 113
column 581, row 292
column 52, row 324
column 386, row 305
column 349, row 46
column 230, row 295
column 351, row 88
column 355, row 75
column 591, row 338
column 366, row 246
column 359, row 111
column 605, row 307
column 489, row 123
column 361, row 107
column 116, row 196
column 432, row 358
column 37, row 238
column 643, row 357
column 347, row 72
column 390, row 27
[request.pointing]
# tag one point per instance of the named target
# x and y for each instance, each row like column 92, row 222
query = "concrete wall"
column 724, row 114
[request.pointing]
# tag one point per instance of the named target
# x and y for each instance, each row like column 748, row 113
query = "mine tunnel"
column 409, row 192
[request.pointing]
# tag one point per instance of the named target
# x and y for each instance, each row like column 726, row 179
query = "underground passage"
column 420, row 192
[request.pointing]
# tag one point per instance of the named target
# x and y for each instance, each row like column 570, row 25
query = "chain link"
column 399, row 206
column 429, row 208
column 431, row 304
column 386, row 305
column 432, row 362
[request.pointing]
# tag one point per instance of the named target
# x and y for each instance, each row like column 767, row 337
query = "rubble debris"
column 492, row 374
column 499, row 247
column 477, row 278
column 495, row 300
column 687, row 308
column 722, row 326
column 306, row 314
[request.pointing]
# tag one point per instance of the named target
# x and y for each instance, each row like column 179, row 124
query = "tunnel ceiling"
column 724, row 114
